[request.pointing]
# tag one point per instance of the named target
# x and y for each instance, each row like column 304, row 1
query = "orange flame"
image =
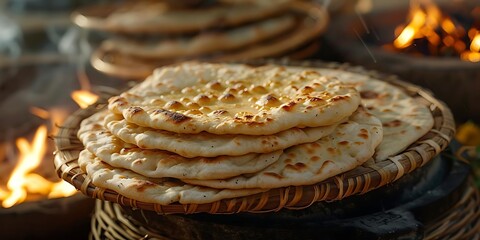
column 55, row 115
column 40, row 112
column 84, row 98
column 474, row 54
column 426, row 21
column 22, row 180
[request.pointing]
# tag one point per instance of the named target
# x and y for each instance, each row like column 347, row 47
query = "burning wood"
column 431, row 32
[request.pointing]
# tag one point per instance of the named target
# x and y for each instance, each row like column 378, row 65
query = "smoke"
column 10, row 37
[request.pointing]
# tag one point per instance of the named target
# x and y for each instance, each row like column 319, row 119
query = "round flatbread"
column 158, row 17
column 235, row 99
column 351, row 144
column 158, row 163
column 211, row 145
column 404, row 118
column 308, row 29
column 312, row 20
column 203, row 43
column 162, row 191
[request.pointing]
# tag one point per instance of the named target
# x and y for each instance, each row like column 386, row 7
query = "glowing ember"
column 474, row 54
column 84, row 98
column 431, row 32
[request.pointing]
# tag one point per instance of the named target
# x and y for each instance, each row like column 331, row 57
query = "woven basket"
column 113, row 63
column 462, row 221
column 357, row 181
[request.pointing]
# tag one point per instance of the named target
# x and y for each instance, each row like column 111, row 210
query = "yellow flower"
column 469, row 134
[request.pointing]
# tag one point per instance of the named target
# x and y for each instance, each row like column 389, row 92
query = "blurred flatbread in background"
column 203, row 43
column 156, row 17
column 138, row 60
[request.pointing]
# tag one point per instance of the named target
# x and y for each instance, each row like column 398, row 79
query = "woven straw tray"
column 357, row 181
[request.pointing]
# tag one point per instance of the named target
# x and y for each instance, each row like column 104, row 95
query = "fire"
column 439, row 33
column 54, row 115
column 84, row 98
column 474, row 54
column 23, row 181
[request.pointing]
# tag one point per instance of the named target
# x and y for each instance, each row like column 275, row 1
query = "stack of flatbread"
column 199, row 132
column 154, row 33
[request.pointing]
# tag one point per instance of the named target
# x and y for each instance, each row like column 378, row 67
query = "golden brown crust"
column 273, row 99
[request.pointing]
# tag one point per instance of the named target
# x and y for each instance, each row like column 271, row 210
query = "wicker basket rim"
column 357, row 181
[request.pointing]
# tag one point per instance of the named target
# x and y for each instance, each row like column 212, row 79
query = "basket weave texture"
column 462, row 221
column 360, row 180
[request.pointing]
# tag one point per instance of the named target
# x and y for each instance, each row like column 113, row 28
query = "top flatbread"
column 157, row 17
column 203, row 43
column 235, row 99
column 350, row 145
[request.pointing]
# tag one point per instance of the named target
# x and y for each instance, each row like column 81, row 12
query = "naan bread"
column 311, row 21
column 308, row 29
column 157, row 17
column 211, row 145
column 235, row 99
column 350, row 145
column 404, row 119
column 153, row 190
column 203, row 43
column 157, row 163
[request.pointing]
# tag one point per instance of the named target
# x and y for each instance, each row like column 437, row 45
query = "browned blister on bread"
column 351, row 144
column 157, row 163
column 211, row 145
column 404, row 119
column 162, row 191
